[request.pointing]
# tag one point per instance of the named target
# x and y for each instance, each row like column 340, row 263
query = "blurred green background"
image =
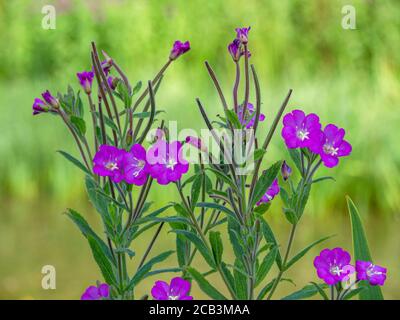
column 348, row 77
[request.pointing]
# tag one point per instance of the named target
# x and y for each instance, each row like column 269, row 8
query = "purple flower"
column 366, row 270
column 53, row 102
column 234, row 50
column 272, row 191
column 333, row 146
column 286, row 171
column 39, row 106
column 178, row 49
column 301, row 131
column 135, row 166
column 249, row 119
column 166, row 161
column 332, row 265
column 102, row 291
column 177, row 290
column 242, row 34
column 108, row 162
column 85, row 79
column 106, row 66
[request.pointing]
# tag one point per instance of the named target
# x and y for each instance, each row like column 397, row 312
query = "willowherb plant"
column 227, row 190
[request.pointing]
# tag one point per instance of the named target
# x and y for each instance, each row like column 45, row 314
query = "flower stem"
column 236, row 88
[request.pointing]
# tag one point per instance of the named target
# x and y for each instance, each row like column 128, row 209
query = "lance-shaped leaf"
column 307, row 292
column 303, row 252
column 361, row 249
column 270, row 239
column 199, row 244
column 216, row 246
column 205, row 286
column 266, row 265
column 102, row 261
column 264, row 182
column 74, row 161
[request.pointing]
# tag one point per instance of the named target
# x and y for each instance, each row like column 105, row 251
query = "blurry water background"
column 348, row 77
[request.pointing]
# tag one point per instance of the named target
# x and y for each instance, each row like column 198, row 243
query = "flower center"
column 329, row 149
column 112, row 166
column 302, row 134
column 171, row 164
column 139, row 165
column 335, row 270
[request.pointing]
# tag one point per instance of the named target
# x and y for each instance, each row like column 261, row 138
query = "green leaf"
column 233, row 119
column 137, row 88
column 296, row 157
column 88, row 231
column 264, row 182
column 322, row 179
column 270, row 239
column 290, row 215
column 320, row 290
column 224, row 178
column 123, row 91
column 307, row 292
column 361, row 249
column 228, row 276
column 302, row 253
column 240, row 280
column 75, row 161
column 216, row 246
column 262, row 208
column 354, row 292
column 102, row 261
column 268, row 288
column 79, row 124
column 266, row 265
column 205, row 286
column 217, row 206
column 145, row 269
column 258, row 154
column 195, row 191
column 200, row 245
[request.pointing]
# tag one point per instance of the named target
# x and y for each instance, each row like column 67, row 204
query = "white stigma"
column 171, row 164
column 173, row 297
column 335, row 270
column 329, row 149
column 302, row 134
column 112, row 166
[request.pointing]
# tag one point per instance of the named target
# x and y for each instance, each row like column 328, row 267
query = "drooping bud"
column 286, row 171
column 178, row 49
column 113, row 82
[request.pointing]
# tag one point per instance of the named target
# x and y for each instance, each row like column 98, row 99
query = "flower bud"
column 53, row 102
column 242, row 34
column 39, row 106
column 286, row 171
column 178, row 49
column 85, row 79
column 112, row 82
column 234, row 50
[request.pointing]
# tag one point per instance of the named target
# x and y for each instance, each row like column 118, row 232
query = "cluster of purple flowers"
column 178, row 289
column 334, row 266
column 163, row 161
column 304, row 131
column 50, row 103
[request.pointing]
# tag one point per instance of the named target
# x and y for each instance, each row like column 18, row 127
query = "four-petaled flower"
column 242, row 34
column 108, row 162
column 177, row 290
column 271, row 192
column 85, row 79
column 166, row 161
column 302, row 131
column 178, row 49
column 39, row 106
column 332, row 265
column 135, row 165
column 250, row 117
column 333, row 146
column 102, row 291
column 366, row 270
